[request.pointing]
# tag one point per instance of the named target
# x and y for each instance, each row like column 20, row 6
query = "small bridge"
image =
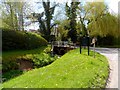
column 62, row 47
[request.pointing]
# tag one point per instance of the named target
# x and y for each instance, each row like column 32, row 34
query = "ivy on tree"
column 45, row 24
column 71, row 14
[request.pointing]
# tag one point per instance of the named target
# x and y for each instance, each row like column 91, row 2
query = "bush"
column 11, row 74
column 38, row 60
column 108, row 41
column 41, row 58
column 13, row 40
column 9, row 64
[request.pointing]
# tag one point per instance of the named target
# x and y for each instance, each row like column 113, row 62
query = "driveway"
column 112, row 56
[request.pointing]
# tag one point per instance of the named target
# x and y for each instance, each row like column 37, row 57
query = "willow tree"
column 101, row 22
column 71, row 13
column 104, row 26
column 90, row 12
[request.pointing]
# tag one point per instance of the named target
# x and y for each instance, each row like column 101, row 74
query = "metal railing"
column 63, row 44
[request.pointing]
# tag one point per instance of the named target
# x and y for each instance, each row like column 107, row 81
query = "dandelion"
column 56, row 84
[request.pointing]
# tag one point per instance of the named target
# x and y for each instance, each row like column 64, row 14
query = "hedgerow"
column 14, row 40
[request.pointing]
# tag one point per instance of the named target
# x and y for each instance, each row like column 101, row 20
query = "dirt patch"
column 25, row 65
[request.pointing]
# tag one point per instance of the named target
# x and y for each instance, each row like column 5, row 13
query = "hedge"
column 108, row 41
column 12, row 40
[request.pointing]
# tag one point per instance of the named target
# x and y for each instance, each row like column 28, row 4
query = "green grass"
column 9, row 54
column 73, row 70
column 9, row 58
column 40, row 57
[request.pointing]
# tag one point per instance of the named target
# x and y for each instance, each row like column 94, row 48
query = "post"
column 94, row 50
column 80, row 48
column 93, row 41
column 88, row 45
column 52, row 47
column 80, row 43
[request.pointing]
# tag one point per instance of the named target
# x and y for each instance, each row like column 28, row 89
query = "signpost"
column 80, row 44
column 93, row 42
column 88, row 44
column 84, row 41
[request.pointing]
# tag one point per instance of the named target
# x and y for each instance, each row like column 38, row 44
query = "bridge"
column 62, row 47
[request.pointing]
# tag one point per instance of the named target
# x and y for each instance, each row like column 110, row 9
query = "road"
column 112, row 56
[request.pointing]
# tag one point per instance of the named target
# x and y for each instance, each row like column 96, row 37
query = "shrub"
column 39, row 60
column 12, row 63
column 9, row 64
column 42, row 60
column 13, row 40
column 11, row 74
column 108, row 41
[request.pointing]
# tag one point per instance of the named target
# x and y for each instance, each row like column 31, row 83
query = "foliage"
column 45, row 24
column 39, row 57
column 21, row 40
column 90, row 12
column 42, row 59
column 13, row 14
column 62, row 29
column 9, row 58
column 104, row 26
column 104, row 41
column 71, row 14
column 95, row 10
column 11, row 74
column 108, row 41
column 100, row 21
column 73, row 70
column 9, row 17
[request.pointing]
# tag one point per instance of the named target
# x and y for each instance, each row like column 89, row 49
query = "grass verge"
column 73, row 70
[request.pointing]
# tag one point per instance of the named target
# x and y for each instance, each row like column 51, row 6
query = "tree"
column 62, row 30
column 97, row 21
column 105, row 25
column 45, row 24
column 90, row 12
column 71, row 14
column 101, row 22
column 13, row 14
column 8, row 16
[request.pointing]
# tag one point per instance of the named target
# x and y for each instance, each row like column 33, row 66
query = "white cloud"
column 113, row 5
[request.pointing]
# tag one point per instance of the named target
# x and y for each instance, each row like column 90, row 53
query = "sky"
column 112, row 4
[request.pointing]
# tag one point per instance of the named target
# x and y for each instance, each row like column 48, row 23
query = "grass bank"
column 39, row 57
column 73, row 70
column 9, row 58
column 15, row 53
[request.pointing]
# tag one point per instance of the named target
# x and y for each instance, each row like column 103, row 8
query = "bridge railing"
column 63, row 44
